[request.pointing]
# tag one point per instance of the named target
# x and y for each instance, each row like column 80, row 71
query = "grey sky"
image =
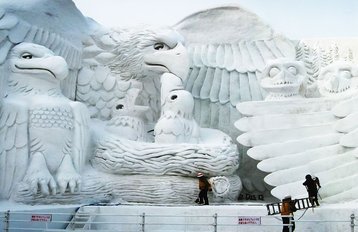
column 293, row 18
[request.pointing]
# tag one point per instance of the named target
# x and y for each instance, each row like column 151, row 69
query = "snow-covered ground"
column 129, row 217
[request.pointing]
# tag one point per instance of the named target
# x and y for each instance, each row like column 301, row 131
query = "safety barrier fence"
column 29, row 221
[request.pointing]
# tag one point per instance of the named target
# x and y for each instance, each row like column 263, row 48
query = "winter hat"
column 200, row 174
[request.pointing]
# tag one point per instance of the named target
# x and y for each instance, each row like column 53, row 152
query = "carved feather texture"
column 226, row 68
column 308, row 136
column 16, row 30
column 242, row 56
column 100, row 90
column 226, row 74
column 121, row 156
column 81, row 140
column 13, row 145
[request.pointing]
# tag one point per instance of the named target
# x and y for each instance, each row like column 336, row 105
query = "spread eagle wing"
column 229, row 48
column 14, row 145
column 41, row 25
column 293, row 138
column 81, row 138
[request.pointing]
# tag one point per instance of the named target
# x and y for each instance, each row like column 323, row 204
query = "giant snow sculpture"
column 153, row 63
column 44, row 135
column 315, row 135
column 181, row 149
column 229, row 47
column 154, row 126
column 124, row 79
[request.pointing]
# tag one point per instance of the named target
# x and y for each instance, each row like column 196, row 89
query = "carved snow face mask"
column 338, row 79
column 283, row 78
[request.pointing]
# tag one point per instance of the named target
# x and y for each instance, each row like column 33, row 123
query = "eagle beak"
column 58, row 66
column 54, row 65
column 176, row 60
column 181, row 68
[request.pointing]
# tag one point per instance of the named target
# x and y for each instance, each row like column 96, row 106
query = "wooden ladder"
column 302, row 203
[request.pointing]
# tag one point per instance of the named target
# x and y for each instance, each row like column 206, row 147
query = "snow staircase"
column 275, row 208
column 82, row 219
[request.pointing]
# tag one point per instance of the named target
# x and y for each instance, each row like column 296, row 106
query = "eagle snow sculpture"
column 127, row 118
column 106, row 66
column 229, row 48
column 176, row 124
column 43, row 133
column 119, row 59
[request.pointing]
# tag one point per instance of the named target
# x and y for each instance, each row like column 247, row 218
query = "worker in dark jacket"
column 287, row 209
column 311, row 186
column 204, row 187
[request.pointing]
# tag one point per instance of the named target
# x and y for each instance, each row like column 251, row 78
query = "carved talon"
column 38, row 176
column 67, row 177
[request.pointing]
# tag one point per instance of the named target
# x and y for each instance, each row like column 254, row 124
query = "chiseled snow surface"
column 182, row 217
column 59, row 16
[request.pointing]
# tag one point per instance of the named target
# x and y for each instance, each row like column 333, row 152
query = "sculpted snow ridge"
column 201, row 28
column 90, row 112
column 316, row 136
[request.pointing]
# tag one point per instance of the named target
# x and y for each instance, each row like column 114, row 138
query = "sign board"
column 249, row 220
column 41, row 217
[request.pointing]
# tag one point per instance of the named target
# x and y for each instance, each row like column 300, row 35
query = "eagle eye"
column 26, row 56
column 160, row 46
column 174, row 97
column 119, row 106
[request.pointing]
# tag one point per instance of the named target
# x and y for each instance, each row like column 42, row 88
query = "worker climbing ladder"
column 302, row 203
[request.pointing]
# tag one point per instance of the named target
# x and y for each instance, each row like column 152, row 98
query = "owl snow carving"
column 44, row 135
